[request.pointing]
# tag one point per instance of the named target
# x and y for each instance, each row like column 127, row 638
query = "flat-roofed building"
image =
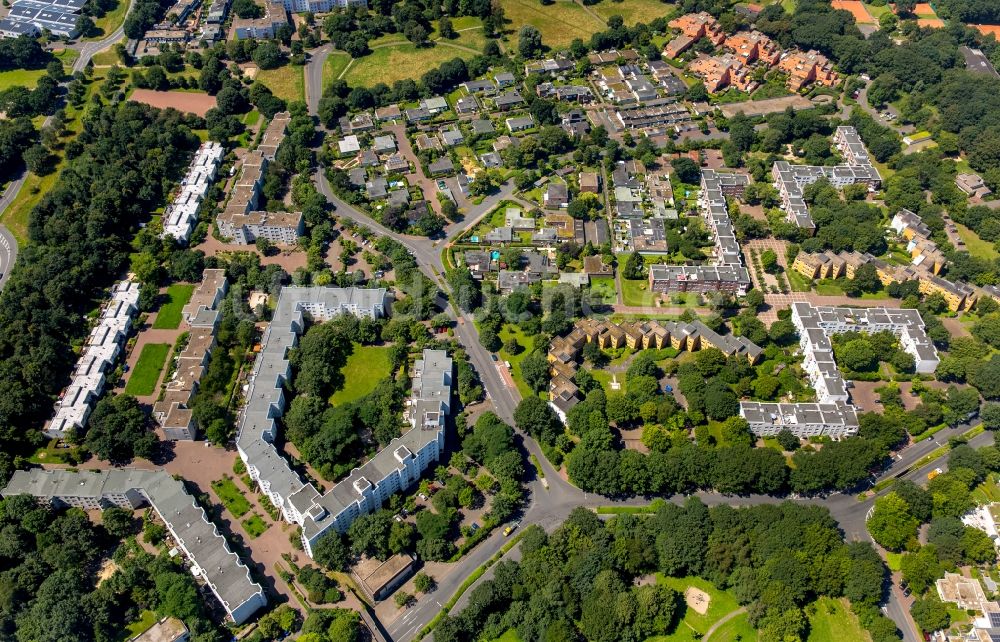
column 804, row 420
column 211, row 559
column 380, row 579
column 264, row 27
column 667, row 279
column 181, row 215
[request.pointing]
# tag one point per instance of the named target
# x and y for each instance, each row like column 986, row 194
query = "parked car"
column 494, row 357
column 510, row 529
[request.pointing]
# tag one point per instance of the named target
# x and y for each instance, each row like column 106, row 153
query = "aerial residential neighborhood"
column 590, row 320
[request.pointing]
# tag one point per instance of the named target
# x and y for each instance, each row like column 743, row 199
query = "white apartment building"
column 198, row 538
column 180, row 216
column 392, row 469
column 790, row 179
column 99, row 354
column 321, row 6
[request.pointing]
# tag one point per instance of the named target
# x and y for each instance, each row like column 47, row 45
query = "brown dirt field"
column 934, row 23
column 861, row 15
column 194, row 103
column 987, row 29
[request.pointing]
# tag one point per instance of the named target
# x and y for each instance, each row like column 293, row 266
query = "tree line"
column 579, row 582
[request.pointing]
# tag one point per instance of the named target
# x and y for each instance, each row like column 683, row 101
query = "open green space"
column 51, row 453
column 142, row 380
column 145, row 622
column 559, row 23
column 366, row 366
column 737, row 629
column 287, row 82
column 977, row 246
column 389, row 64
column 987, row 492
column 107, row 57
column 636, row 292
column 510, row 635
column 720, row 603
column 602, row 290
column 335, row 65
column 515, row 332
column 109, row 22
column 231, row 497
column 169, row 315
column 798, row 282
column 254, row 526
column 632, row 11
column 23, row 77
column 832, row 620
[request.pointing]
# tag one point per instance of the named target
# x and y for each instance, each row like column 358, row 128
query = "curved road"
column 550, row 507
column 8, row 244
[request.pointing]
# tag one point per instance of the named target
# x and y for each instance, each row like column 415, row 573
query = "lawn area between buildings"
column 831, row 620
column 365, row 367
column 254, row 526
column 559, row 23
column 527, row 344
column 231, row 496
column 145, row 622
column 334, row 66
column 288, row 82
column 169, row 315
column 142, row 381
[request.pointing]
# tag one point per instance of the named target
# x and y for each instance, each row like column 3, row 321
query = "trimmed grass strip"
column 142, row 381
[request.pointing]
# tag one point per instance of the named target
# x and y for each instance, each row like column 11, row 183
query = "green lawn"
column 636, row 292
column 288, row 82
column 602, row 289
column 977, row 246
column 798, row 282
column 559, row 23
column 892, row 560
column 510, row 635
column 335, row 65
column 169, row 315
column 24, row 77
column 145, row 622
column 50, row 454
column 526, row 343
column 142, row 380
column 107, row 57
column 389, row 64
column 632, row 11
column 231, row 496
column 254, row 526
column 109, row 21
column 721, row 602
column 832, row 620
column 736, row 629
column 366, row 366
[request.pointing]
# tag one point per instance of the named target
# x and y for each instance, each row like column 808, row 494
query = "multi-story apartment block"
column 202, row 313
column 751, row 46
column 210, row 556
column 700, row 25
column 99, row 353
column 261, row 28
column 181, row 214
column 790, row 179
column 804, row 68
column 394, row 468
column 834, row 415
column 720, row 72
column 667, row 279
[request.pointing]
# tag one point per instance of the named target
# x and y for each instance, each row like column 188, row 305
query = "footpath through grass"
column 169, row 315
column 142, row 381
column 831, row 620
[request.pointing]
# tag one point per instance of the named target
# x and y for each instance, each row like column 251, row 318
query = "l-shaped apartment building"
column 833, row 414
column 791, row 180
column 394, row 468
column 207, row 550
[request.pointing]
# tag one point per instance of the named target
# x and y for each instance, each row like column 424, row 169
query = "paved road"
column 314, row 76
column 8, row 245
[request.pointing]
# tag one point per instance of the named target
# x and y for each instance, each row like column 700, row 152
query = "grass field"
column 366, row 366
column 636, row 292
column 169, row 315
column 633, row 11
column 24, row 77
column 231, row 497
column 559, row 23
column 602, row 289
column 798, row 282
column 254, row 526
column 335, row 65
column 832, row 620
column 147, row 369
column 107, row 57
column 527, row 344
column 109, row 22
column 737, row 629
column 510, row 635
column 721, row 602
column 390, row 64
column 287, row 82
column 145, row 622
column 892, row 560
column 977, row 246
